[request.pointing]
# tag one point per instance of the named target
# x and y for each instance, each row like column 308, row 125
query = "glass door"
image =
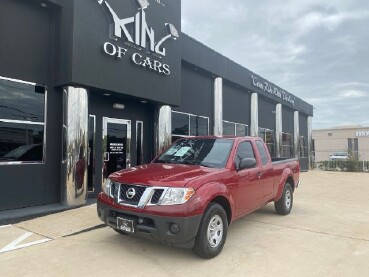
column 116, row 145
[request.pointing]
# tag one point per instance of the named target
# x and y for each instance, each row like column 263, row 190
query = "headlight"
column 106, row 186
column 177, row 196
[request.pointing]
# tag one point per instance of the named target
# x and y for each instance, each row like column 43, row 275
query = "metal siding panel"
column 266, row 114
column 25, row 44
column 236, row 105
column 197, row 92
column 21, row 186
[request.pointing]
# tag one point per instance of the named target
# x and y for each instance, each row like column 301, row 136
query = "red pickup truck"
column 188, row 195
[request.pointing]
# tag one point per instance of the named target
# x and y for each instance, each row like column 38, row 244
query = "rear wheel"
column 284, row 205
column 212, row 232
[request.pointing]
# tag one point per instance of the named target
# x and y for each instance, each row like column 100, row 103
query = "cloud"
column 354, row 94
column 314, row 49
column 331, row 22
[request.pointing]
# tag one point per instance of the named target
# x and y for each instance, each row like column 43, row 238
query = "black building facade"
column 89, row 87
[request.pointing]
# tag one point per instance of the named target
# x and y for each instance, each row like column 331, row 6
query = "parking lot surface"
column 327, row 234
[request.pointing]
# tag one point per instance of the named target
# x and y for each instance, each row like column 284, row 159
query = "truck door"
column 266, row 175
column 250, row 187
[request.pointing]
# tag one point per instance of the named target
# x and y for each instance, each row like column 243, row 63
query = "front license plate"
column 125, row 225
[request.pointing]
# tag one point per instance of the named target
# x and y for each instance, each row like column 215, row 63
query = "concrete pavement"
column 327, row 234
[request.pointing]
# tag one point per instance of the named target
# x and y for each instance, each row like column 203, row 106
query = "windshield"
column 204, row 152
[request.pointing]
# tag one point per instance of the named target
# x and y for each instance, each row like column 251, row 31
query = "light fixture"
column 143, row 101
column 106, row 94
column 44, row 5
column 118, row 106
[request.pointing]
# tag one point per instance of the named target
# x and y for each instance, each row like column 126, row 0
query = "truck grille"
column 135, row 195
column 131, row 194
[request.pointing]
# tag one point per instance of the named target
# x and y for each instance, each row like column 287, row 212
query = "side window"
column 22, row 121
column 245, row 150
column 263, row 154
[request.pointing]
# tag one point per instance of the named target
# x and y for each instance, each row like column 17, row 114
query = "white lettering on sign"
column 113, row 50
column 362, row 133
column 142, row 37
column 150, row 64
column 142, row 32
column 160, row 2
column 273, row 90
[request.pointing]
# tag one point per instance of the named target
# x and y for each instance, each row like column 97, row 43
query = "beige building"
column 353, row 140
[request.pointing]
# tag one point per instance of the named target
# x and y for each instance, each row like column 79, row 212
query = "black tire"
column 284, row 205
column 203, row 248
column 121, row 232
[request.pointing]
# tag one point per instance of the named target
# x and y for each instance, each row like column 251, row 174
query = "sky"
column 317, row 50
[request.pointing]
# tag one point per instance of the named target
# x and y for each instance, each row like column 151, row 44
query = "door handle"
column 259, row 174
column 106, row 156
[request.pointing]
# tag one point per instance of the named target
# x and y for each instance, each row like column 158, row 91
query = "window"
column 184, row 125
column 287, row 146
column 180, row 124
column 198, row 151
column 235, row 129
column 303, row 147
column 263, row 153
column 244, row 151
column 268, row 136
column 22, row 121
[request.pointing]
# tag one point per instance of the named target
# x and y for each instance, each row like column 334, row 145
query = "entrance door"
column 116, row 145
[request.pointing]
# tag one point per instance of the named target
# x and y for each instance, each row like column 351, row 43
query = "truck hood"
column 157, row 174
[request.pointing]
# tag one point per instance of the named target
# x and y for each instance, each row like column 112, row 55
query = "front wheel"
column 212, row 232
column 284, row 205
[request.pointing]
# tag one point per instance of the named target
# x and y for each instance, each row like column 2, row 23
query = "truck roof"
column 223, row 137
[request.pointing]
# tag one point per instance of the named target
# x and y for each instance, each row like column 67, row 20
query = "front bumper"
column 154, row 227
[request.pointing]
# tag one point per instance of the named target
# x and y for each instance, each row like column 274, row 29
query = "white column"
column 75, row 147
column 278, row 129
column 296, row 133
column 218, row 106
column 164, row 128
column 254, row 128
column 310, row 134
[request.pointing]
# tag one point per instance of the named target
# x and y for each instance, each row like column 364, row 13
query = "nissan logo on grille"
column 131, row 192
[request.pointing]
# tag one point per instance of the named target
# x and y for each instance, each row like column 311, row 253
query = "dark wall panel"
column 25, row 41
column 54, row 125
column 288, row 120
column 303, row 125
column 236, row 104
column 197, row 93
column 94, row 68
column 266, row 113
column 21, row 186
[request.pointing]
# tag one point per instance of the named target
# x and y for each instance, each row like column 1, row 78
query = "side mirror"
column 247, row 163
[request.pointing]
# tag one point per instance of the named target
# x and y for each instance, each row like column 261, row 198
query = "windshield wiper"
column 163, row 162
column 197, row 163
column 207, row 165
column 189, row 162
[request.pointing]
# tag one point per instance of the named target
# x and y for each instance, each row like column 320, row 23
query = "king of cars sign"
column 137, row 34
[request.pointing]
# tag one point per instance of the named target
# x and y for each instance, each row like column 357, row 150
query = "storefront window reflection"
column 303, row 147
column 234, row 129
column 268, row 137
column 22, row 109
column 287, row 146
column 184, row 125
